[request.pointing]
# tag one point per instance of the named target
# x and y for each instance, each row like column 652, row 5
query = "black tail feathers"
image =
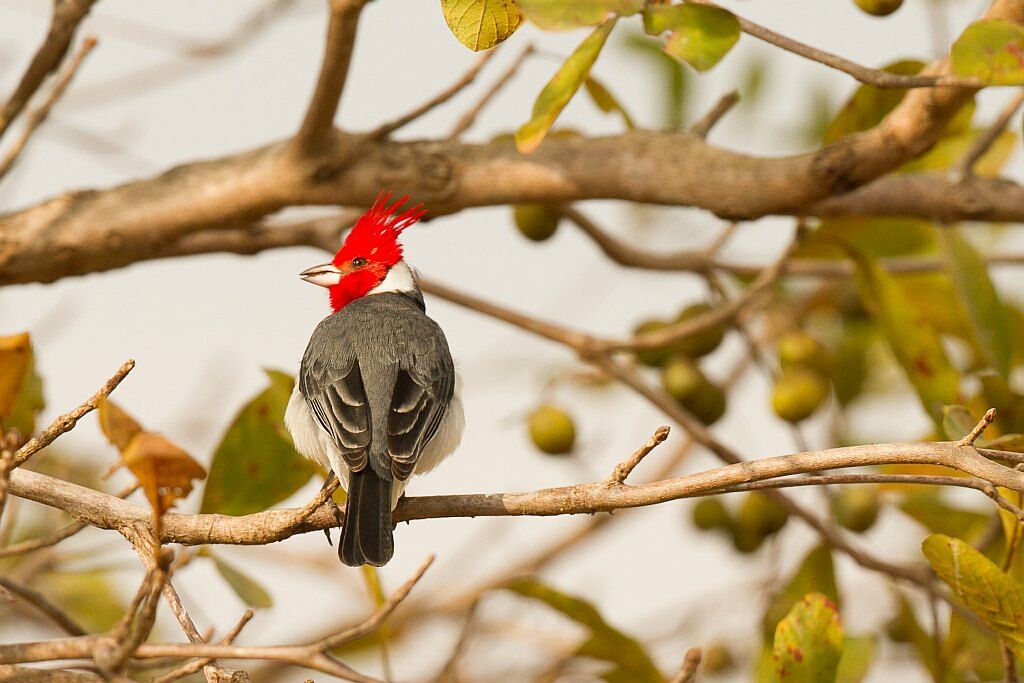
column 366, row 535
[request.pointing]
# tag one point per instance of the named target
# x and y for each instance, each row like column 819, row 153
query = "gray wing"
column 379, row 351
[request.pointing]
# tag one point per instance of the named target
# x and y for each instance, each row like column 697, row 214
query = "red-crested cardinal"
column 378, row 397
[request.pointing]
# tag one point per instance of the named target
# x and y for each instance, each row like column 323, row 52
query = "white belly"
column 316, row 444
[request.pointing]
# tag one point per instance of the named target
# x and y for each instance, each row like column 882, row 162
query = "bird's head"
column 369, row 254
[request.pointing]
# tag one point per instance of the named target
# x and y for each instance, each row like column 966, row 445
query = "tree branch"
column 67, row 15
column 341, row 37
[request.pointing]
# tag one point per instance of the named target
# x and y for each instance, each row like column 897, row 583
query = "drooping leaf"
column 15, row 358
column 604, row 642
column 809, row 642
column 605, row 101
column 561, row 88
column 957, row 422
column 986, row 590
column 675, row 78
column 914, row 342
column 991, row 50
column 904, row 627
column 256, row 464
column 699, row 35
column 481, row 24
column 816, row 574
column 988, row 317
column 869, row 105
column 118, row 426
column 559, row 15
column 245, row 587
column 952, row 148
column 164, row 470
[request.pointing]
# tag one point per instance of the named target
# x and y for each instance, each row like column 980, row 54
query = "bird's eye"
column 359, row 262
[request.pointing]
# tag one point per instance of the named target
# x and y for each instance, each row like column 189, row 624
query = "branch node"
column 979, row 428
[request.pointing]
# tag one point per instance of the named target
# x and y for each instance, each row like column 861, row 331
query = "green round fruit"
column 682, row 379
column 857, row 508
column 761, row 513
column 879, row 8
column 703, row 342
column 798, row 393
column 552, row 430
column 711, row 513
column 708, row 405
column 536, row 221
column 653, row 357
column 717, row 659
column 746, row 539
column 898, row 629
column 799, row 349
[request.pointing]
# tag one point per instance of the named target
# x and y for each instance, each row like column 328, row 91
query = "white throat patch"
column 400, row 278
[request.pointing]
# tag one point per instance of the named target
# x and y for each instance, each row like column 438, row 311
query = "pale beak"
column 325, row 275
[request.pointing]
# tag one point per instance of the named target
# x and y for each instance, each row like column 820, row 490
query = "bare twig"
column 688, row 670
column 195, row 665
column 67, row 421
column 466, row 120
column 979, row 428
column 703, row 126
column 451, row 91
column 38, row 116
column 47, row 608
column 341, row 37
column 875, row 77
column 624, row 468
column 985, row 141
column 67, row 15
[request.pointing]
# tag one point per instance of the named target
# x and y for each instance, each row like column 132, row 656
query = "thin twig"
column 451, row 91
column 39, row 601
column 688, row 670
column 38, row 116
column 466, row 121
column 67, row 421
column 67, row 15
column 624, row 468
column 979, row 428
column 965, row 167
column 703, row 126
column 195, row 665
column 875, row 77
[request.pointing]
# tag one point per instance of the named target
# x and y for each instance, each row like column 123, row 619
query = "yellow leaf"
column 163, row 469
column 118, row 426
column 15, row 356
column 481, row 24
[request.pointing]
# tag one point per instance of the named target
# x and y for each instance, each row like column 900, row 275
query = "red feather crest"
column 375, row 235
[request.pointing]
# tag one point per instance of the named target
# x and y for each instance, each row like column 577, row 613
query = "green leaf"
column 869, row 105
column 29, row 401
column 700, row 35
column 809, row 642
column 245, row 587
column 1013, row 443
column 937, row 516
column 560, row 89
column 957, row 422
column 913, row 340
column 816, row 574
column 559, row 15
column 991, row 50
column 993, row 595
column 481, row 24
column 605, row 101
column 604, row 642
column 985, row 311
column 256, row 465
column 858, row 656
column 674, row 79
column 90, row 598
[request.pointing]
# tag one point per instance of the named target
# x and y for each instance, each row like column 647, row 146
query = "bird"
column 378, row 397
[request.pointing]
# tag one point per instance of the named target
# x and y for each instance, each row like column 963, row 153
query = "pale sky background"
column 201, row 329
